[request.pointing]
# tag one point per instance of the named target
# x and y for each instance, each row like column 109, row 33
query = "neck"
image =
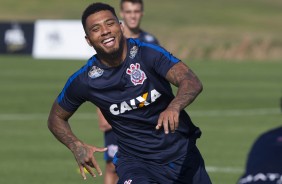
column 132, row 33
column 111, row 62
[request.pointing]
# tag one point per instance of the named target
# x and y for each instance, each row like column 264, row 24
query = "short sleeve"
column 72, row 95
column 161, row 59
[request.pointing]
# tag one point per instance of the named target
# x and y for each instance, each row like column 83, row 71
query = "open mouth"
column 109, row 42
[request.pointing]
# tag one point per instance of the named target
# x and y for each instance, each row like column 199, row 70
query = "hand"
column 83, row 154
column 169, row 119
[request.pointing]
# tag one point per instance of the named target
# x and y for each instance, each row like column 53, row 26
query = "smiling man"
column 131, row 13
column 129, row 81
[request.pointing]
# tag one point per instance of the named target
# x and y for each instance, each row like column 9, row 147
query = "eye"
column 95, row 29
column 110, row 23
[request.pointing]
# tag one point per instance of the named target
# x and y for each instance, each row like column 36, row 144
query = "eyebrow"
column 107, row 20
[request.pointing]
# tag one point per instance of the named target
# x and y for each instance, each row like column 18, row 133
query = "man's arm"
column 189, row 87
column 83, row 153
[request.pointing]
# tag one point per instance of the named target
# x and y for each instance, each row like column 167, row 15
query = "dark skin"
column 83, row 153
column 189, row 87
column 105, row 34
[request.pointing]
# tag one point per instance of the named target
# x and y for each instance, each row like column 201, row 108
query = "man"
column 130, row 81
column 264, row 164
column 131, row 12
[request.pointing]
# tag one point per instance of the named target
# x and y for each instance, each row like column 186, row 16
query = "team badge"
column 128, row 181
column 133, row 52
column 95, row 72
column 137, row 76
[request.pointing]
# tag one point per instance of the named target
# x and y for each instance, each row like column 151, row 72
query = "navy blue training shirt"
column 131, row 97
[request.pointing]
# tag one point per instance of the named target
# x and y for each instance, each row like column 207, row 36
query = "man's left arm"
column 189, row 87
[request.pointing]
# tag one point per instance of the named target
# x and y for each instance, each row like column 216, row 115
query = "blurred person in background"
column 110, row 141
column 264, row 163
column 131, row 13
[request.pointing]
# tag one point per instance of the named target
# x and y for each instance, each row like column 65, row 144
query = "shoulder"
column 144, row 48
column 271, row 134
column 150, row 50
column 84, row 71
column 147, row 37
column 79, row 78
column 269, row 140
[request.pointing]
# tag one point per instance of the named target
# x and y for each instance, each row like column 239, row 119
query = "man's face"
column 104, row 32
column 131, row 13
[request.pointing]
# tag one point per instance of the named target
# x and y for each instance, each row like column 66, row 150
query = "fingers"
column 87, row 166
column 176, row 122
column 88, row 161
column 160, row 123
column 90, row 171
column 96, row 166
column 81, row 169
column 94, row 162
column 101, row 149
column 165, row 125
column 169, row 122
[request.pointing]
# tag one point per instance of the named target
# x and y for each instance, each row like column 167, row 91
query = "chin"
column 133, row 27
column 112, row 50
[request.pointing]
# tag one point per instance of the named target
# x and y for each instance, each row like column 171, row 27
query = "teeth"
column 108, row 40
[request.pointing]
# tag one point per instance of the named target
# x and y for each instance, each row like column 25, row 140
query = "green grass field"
column 226, row 29
column 242, row 87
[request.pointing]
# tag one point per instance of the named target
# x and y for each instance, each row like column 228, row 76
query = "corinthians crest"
column 137, row 76
column 95, row 72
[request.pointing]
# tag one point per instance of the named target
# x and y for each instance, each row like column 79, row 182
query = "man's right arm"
column 59, row 126
column 83, row 153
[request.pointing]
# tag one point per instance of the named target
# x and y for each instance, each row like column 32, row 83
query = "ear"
column 121, row 27
column 88, row 41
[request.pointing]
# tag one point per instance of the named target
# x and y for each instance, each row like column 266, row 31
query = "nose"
column 132, row 14
column 105, row 30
